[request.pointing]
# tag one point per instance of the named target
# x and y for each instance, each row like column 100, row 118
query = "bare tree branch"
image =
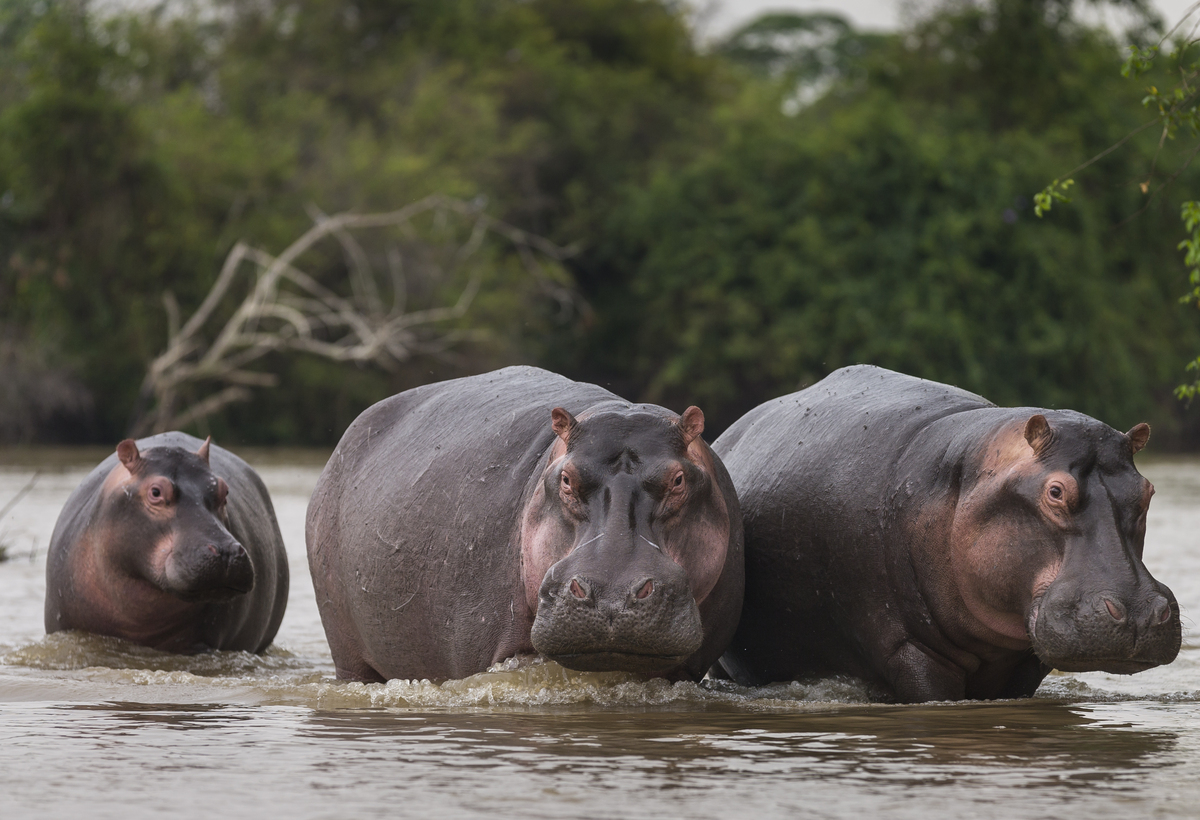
column 285, row 308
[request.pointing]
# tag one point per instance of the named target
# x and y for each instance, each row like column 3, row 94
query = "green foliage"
column 801, row 47
column 1176, row 109
column 137, row 147
column 1139, row 61
column 93, row 215
column 890, row 223
column 1191, row 222
column 1056, row 191
column 747, row 217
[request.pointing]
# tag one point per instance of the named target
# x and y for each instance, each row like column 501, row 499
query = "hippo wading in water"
column 171, row 543
column 466, row 522
column 921, row 538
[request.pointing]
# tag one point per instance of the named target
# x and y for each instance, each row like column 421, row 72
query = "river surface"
column 95, row 728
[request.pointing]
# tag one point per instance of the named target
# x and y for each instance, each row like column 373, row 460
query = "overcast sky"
column 724, row 15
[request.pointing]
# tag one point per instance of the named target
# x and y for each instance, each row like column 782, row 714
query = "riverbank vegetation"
column 743, row 216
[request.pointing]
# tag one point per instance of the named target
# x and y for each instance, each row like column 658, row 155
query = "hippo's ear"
column 127, row 451
column 1138, row 436
column 562, row 422
column 203, row 451
column 691, row 424
column 1038, row 433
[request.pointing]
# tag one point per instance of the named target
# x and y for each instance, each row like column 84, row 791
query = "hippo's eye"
column 1056, row 492
column 566, row 482
column 158, row 493
column 678, row 482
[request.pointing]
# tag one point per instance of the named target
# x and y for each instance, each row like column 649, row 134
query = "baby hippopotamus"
column 462, row 523
column 919, row 537
column 172, row 543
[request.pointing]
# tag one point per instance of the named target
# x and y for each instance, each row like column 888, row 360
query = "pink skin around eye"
column 158, row 494
column 677, row 486
column 1061, row 492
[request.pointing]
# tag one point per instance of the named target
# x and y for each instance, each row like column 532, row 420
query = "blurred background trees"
column 744, row 216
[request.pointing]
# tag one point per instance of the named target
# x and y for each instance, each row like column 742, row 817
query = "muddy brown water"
column 92, row 727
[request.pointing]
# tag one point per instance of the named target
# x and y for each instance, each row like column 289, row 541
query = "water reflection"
column 1034, row 759
column 933, row 741
column 129, row 718
column 1053, row 739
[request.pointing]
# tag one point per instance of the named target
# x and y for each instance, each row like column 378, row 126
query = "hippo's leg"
column 362, row 672
column 917, row 675
column 1026, row 678
column 349, row 662
column 718, row 672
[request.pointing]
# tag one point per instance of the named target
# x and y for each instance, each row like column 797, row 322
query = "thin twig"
column 24, row 491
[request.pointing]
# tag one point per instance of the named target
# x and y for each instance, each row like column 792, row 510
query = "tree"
column 889, row 222
column 137, row 147
column 286, row 309
column 1175, row 110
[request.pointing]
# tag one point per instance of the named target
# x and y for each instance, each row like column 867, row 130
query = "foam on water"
column 80, row 650
column 281, row 677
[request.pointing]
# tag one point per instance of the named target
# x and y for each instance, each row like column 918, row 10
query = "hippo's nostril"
column 645, row 590
column 212, row 548
column 1115, row 610
column 1161, row 613
column 578, row 589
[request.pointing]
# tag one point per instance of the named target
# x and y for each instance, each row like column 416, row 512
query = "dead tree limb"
column 286, row 308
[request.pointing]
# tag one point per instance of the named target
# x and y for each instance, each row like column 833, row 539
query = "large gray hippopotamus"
column 462, row 523
column 940, row 547
column 170, row 542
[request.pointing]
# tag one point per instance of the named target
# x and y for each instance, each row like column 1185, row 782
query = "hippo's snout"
column 644, row 623
column 583, row 590
column 238, row 572
column 1106, row 632
column 210, row 571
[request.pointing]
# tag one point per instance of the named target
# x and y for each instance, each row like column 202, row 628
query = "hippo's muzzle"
column 1104, row 631
column 642, row 622
column 213, row 570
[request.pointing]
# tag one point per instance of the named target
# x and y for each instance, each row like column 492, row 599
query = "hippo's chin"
column 209, row 594
column 1114, row 666
column 619, row 662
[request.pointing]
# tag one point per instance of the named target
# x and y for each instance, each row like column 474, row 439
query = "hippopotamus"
column 917, row 536
column 515, row 513
column 171, row 542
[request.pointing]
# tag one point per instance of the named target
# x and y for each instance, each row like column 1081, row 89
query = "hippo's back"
column 411, row 527
column 844, row 417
